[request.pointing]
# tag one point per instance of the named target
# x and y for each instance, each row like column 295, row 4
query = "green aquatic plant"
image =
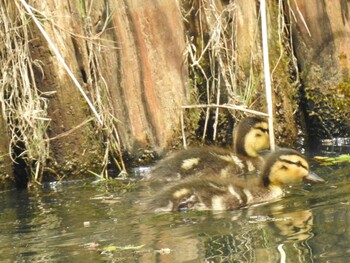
column 343, row 158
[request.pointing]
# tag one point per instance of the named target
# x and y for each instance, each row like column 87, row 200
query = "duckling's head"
column 251, row 136
column 287, row 166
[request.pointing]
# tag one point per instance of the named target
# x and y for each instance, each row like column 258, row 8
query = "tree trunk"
column 74, row 143
column 321, row 35
column 145, row 71
column 125, row 56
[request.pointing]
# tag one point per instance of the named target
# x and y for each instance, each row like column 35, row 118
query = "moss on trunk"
column 323, row 56
column 227, row 37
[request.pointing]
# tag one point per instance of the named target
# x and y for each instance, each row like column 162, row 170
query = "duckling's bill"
column 314, row 178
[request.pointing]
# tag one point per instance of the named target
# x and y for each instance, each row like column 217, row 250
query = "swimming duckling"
column 282, row 167
column 250, row 137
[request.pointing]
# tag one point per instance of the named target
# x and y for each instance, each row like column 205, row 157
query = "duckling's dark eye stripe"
column 262, row 129
column 298, row 163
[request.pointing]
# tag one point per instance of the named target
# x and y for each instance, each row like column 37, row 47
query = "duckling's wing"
column 191, row 162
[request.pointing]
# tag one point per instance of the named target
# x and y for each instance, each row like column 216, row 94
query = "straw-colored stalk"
column 268, row 88
column 213, row 63
column 24, row 107
column 213, row 57
column 100, row 90
column 101, row 103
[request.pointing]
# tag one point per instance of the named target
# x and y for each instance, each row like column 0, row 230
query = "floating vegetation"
column 344, row 158
column 117, row 248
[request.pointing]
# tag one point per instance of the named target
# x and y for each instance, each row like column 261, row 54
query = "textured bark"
column 7, row 178
column 248, row 35
column 81, row 148
column 288, row 119
column 324, row 54
column 141, row 63
column 146, row 72
column 250, row 67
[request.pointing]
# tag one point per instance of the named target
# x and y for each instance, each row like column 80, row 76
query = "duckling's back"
column 250, row 136
column 202, row 162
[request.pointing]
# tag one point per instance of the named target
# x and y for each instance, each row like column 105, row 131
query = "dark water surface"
column 82, row 221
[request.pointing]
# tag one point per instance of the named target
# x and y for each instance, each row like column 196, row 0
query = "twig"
column 302, row 18
column 205, row 124
column 217, row 110
column 70, row 131
column 225, row 106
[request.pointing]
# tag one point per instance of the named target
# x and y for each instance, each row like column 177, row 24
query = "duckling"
column 282, row 167
column 250, row 137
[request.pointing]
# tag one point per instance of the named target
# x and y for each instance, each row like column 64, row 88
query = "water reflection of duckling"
column 250, row 137
column 282, row 167
column 296, row 225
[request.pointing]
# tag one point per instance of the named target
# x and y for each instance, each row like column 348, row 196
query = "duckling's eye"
column 299, row 164
column 263, row 130
column 258, row 135
column 284, row 167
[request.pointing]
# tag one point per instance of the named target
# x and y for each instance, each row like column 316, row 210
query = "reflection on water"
column 335, row 145
column 98, row 222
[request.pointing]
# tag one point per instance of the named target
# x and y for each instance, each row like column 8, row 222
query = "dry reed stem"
column 219, row 54
column 101, row 96
column 266, row 61
column 64, row 134
column 301, row 17
column 24, row 107
column 225, row 106
column 62, row 61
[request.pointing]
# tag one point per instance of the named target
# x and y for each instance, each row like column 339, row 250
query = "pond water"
column 86, row 221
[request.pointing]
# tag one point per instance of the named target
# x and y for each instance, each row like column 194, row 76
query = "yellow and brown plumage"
column 283, row 167
column 250, row 137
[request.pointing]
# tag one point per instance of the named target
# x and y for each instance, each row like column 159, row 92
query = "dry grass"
column 97, row 85
column 24, row 107
column 100, row 90
column 212, row 58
